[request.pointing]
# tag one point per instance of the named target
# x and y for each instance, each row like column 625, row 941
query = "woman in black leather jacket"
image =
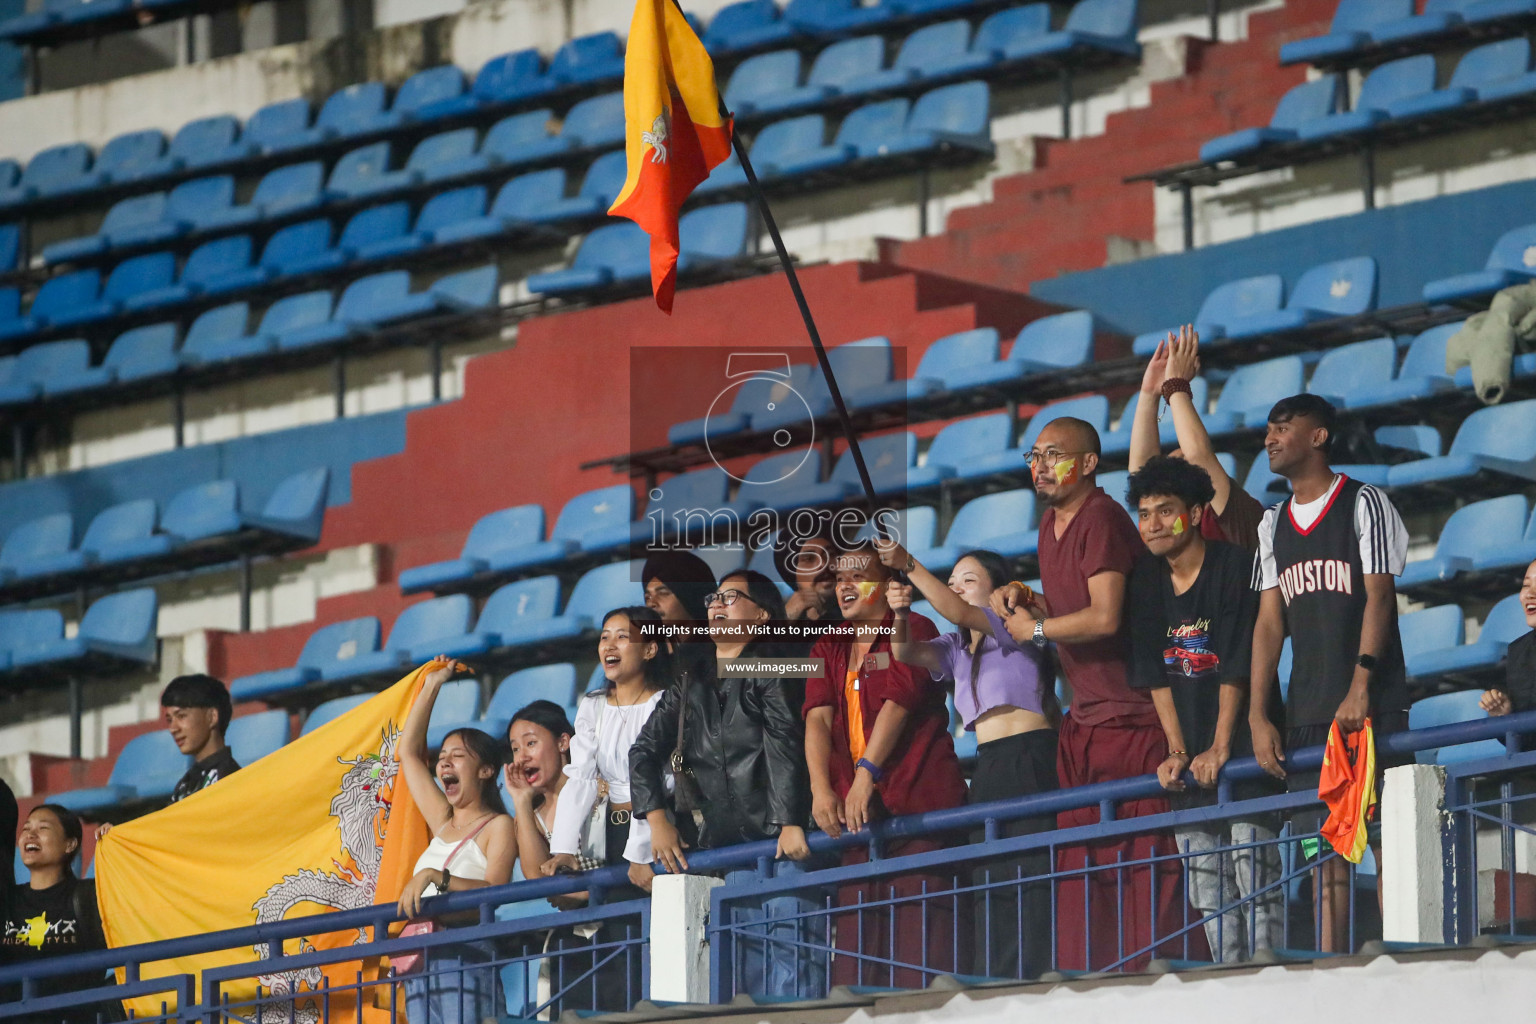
column 743, row 742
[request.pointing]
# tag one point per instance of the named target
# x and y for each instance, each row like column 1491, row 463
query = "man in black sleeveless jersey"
column 1325, row 566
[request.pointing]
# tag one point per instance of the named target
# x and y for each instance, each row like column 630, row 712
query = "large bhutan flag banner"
column 326, row 823
column 674, row 130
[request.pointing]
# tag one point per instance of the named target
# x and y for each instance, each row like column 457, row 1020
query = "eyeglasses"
column 1047, row 458
column 726, row 597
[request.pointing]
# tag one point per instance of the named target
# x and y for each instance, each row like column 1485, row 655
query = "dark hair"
column 487, row 751
column 786, row 550
column 69, row 821
column 1175, row 478
column 863, row 546
column 1087, row 433
column 762, row 590
column 684, row 573
column 1313, row 407
column 547, row 715
column 199, row 691
column 658, row 670
column 997, row 570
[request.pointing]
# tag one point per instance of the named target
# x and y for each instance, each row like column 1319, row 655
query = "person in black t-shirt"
column 1519, row 690
column 1191, row 621
column 53, row 913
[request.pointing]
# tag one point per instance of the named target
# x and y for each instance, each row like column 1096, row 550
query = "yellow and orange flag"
column 324, row 824
column 674, row 130
column 1348, row 786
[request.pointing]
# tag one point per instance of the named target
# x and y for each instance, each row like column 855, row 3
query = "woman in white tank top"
column 473, row 845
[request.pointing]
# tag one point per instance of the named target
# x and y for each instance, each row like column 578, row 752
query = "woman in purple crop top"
column 1005, row 692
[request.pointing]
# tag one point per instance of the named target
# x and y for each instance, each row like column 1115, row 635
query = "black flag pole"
column 844, row 419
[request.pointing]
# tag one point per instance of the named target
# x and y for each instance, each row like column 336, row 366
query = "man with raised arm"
column 1325, row 566
column 1233, row 514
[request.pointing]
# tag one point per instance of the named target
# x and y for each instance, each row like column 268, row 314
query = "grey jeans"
column 1219, row 876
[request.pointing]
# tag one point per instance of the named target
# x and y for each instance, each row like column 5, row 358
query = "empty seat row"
column 1398, row 91
column 1435, row 646
column 618, row 255
column 116, row 633
column 526, row 614
column 202, row 523
column 219, row 334
column 1490, row 537
column 1361, row 24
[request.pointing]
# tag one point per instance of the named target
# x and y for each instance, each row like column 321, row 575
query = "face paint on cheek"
column 867, row 590
column 1066, row 472
column 1180, row 524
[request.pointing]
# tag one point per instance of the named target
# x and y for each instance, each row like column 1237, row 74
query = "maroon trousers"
column 1127, row 909
column 914, row 932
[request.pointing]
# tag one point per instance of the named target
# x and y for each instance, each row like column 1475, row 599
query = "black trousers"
column 1013, row 922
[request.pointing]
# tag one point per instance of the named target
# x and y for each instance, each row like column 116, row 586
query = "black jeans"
column 1013, row 922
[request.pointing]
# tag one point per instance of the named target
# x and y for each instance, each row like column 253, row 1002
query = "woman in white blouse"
column 607, row 722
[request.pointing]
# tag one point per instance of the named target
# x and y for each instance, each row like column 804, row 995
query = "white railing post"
column 680, row 937
column 1412, row 875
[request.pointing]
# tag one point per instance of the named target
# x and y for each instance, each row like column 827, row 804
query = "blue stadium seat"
column 218, row 335
column 370, row 233
column 1339, row 288
column 1498, row 439
column 295, row 249
column 1497, row 68
column 615, row 585
column 712, row 235
column 212, row 262
column 36, row 542
column 1512, row 261
column 1091, row 25
column 747, row 25
column 195, row 205
column 327, row 654
column 467, row 291
column 363, row 172
column 1505, row 623
column 945, row 46
column 117, row 631
column 253, row 737
column 611, row 254
column 356, row 110
column 753, row 394
column 205, row 142
column 596, row 122
column 1043, row 346
column 952, row 116
column 1119, row 440
column 604, row 514
column 58, row 170
column 129, row 278
column 10, row 247
column 425, row 89
column 140, row 215
column 1010, row 29
column 1438, row 16
column 130, row 157
column 833, row 17
column 1093, row 409
column 440, row 212
column 1494, row 524
column 519, row 139
column 54, row 295
column 589, row 58
column 281, row 192
column 1427, row 632
column 779, row 148
column 887, row 458
column 681, row 500
column 37, row 365
column 1248, row 296
column 1518, row 554
column 1002, row 522
column 25, row 22
column 1353, row 23
column 383, row 298
column 1393, row 84
column 775, row 481
column 834, row 67
column 865, row 359
column 328, row 711
column 294, row 321
column 1449, row 709
column 505, row 530
column 1342, row 370
column 944, row 366
column 1252, row 390
column 511, row 613
column 555, row 683
column 1307, row 103
column 279, row 127
column 124, row 526
column 296, row 510
column 457, row 706
column 967, row 449
column 501, row 80
column 135, row 355
column 1422, row 374
column 147, row 768
column 761, row 79
column 1115, row 485
column 417, row 628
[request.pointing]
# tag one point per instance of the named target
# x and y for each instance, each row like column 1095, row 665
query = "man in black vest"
column 1325, row 566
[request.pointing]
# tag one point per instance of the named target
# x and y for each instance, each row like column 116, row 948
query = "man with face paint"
column 1088, row 547
column 1325, row 566
column 1191, row 614
column 877, row 743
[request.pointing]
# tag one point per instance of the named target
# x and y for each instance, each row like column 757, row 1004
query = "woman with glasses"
column 739, row 741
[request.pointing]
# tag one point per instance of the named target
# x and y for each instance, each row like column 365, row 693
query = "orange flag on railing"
column 674, row 130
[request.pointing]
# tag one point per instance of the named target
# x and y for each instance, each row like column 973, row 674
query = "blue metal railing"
column 376, row 920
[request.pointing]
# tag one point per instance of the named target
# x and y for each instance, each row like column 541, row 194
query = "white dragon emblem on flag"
column 656, row 138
